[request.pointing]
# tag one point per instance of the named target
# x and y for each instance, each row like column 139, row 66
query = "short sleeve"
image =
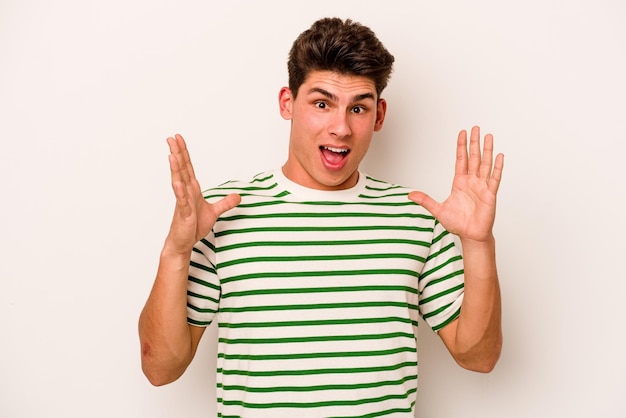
column 203, row 288
column 441, row 283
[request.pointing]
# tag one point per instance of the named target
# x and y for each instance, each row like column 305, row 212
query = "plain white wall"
column 89, row 91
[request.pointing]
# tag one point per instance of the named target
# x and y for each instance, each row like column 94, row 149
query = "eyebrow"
column 333, row 97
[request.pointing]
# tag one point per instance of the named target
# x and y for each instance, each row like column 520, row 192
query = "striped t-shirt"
column 317, row 294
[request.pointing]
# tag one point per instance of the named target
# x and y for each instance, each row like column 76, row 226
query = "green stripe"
column 196, row 295
column 258, row 179
column 324, row 229
column 243, row 189
column 347, row 370
column 327, row 215
column 436, row 312
column 321, row 243
column 446, row 277
column 206, row 242
column 343, row 321
column 368, row 385
column 438, row 295
column 350, row 402
column 319, row 290
column 441, row 251
column 387, row 187
column 202, row 282
column 446, row 322
column 384, row 189
column 440, row 236
column 316, row 338
column 249, row 191
column 198, row 323
column 440, row 266
column 322, row 273
column 325, row 203
column 382, row 204
column 328, row 257
column 317, row 306
column 381, row 413
column 383, row 196
column 301, row 356
column 210, row 269
column 201, row 310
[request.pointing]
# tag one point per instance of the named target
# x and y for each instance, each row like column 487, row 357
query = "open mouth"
column 334, row 155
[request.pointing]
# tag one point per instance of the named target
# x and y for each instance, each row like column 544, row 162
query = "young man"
column 316, row 273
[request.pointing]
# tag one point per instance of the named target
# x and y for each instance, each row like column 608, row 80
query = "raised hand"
column 193, row 216
column 469, row 211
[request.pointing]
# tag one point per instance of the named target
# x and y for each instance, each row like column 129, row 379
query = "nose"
column 339, row 125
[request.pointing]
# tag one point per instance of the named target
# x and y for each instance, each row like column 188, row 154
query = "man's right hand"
column 193, row 216
column 168, row 342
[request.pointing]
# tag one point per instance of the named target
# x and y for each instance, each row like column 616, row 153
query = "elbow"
column 157, row 379
column 158, row 376
column 158, row 372
column 483, row 366
column 483, row 361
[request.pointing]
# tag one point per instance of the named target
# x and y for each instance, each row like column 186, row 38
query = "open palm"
column 469, row 211
column 193, row 216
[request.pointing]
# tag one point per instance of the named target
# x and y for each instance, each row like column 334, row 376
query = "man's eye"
column 358, row 109
column 321, row 105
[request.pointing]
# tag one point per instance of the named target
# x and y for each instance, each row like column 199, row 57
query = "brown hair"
column 346, row 47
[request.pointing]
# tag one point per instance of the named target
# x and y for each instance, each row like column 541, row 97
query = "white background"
column 90, row 90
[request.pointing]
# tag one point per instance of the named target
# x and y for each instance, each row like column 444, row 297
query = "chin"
column 338, row 183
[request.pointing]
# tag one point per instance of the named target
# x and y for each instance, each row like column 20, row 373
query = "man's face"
column 333, row 120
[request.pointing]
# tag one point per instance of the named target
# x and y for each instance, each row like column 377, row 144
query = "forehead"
column 340, row 85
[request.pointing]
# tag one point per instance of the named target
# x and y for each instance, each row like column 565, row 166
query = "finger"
column 226, row 203
column 181, row 192
column 474, row 151
column 426, row 201
column 487, row 158
column 179, row 151
column 176, row 160
column 186, row 158
column 174, row 163
column 184, row 187
column 496, row 176
column 460, row 166
column 174, row 149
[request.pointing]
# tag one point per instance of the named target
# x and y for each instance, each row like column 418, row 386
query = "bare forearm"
column 166, row 348
column 478, row 333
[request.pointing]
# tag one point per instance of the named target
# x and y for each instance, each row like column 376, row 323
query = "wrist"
column 489, row 243
column 173, row 256
column 177, row 246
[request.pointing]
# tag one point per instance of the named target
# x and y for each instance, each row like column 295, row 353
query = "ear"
column 285, row 103
column 381, row 109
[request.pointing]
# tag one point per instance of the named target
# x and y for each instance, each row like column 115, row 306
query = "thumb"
column 226, row 203
column 426, row 201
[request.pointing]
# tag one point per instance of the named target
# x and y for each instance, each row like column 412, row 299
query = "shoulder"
column 262, row 184
column 384, row 190
column 392, row 198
